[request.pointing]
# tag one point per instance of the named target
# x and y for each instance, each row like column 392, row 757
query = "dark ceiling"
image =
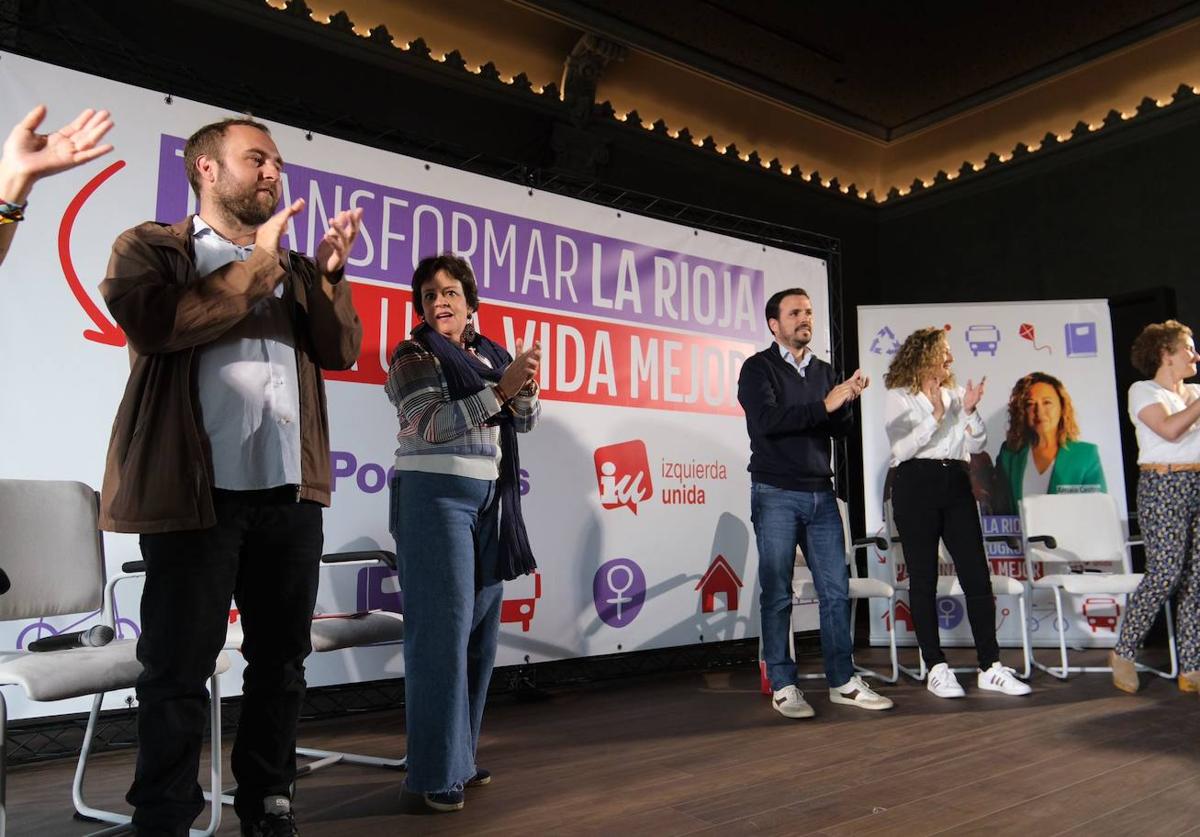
column 885, row 67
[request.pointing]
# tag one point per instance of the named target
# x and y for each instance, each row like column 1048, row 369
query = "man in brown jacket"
column 219, row 459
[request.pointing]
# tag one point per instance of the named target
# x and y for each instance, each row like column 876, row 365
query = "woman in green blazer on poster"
column 1042, row 453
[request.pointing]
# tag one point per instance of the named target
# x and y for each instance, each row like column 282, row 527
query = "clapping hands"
column 848, row 390
column 29, row 156
column 973, row 395
column 523, row 369
column 334, row 248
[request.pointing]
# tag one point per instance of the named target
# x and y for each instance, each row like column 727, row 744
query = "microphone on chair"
column 91, row 638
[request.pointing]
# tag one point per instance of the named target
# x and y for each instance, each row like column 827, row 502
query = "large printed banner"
column 1069, row 342
column 635, row 485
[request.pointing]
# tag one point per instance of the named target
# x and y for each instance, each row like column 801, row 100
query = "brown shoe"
column 1124, row 673
column 1189, row 681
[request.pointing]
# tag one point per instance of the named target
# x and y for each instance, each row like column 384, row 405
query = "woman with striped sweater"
column 456, row 517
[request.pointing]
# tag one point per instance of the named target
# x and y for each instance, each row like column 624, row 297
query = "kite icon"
column 1027, row 332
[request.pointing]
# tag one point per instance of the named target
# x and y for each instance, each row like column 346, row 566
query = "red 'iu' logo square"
column 623, row 475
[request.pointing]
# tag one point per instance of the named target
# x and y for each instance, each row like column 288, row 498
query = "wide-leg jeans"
column 447, row 543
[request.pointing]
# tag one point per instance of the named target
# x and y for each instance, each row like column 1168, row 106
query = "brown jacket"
column 158, row 476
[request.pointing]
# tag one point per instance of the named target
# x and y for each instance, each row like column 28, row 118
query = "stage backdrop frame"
column 82, row 241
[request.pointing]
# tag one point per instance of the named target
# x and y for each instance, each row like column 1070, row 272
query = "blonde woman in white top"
column 1165, row 413
column 933, row 427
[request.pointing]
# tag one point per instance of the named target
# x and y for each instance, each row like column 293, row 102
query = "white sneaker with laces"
column 1000, row 678
column 942, row 682
column 856, row 692
column 790, row 703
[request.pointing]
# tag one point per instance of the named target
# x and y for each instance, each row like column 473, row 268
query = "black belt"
column 941, row 463
column 260, row 496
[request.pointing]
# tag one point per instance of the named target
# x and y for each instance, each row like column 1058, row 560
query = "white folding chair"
column 53, row 554
column 805, row 589
column 949, row 585
column 336, row 633
column 371, row 626
column 1064, row 532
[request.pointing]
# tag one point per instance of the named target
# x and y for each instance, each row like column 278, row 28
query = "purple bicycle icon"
column 126, row 628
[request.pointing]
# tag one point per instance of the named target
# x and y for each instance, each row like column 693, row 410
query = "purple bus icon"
column 983, row 338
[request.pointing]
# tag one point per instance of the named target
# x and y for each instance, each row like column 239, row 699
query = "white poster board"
column 1069, row 340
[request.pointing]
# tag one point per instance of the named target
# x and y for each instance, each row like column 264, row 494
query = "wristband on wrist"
column 530, row 389
column 501, row 395
column 11, row 213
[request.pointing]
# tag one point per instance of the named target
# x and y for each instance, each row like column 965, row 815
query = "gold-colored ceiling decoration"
column 508, row 45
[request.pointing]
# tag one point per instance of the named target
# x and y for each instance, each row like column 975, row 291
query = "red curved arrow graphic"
column 107, row 332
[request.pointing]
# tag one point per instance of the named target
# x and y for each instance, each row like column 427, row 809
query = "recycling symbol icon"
column 885, row 342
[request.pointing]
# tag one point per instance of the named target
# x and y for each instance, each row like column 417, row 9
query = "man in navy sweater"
column 794, row 406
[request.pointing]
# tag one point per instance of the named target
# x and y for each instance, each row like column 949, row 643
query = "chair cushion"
column 333, row 633
column 803, row 589
column 57, row 675
column 1092, row 582
column 870, row 588
column 860, row 588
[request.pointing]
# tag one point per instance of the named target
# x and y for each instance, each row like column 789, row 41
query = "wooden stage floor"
column 703, row 753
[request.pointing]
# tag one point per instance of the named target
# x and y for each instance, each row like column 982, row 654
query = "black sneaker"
column 482, row 777
column 451, row 800
column 276, row 821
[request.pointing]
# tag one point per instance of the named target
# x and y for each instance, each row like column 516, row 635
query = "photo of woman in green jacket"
column 1042, row 453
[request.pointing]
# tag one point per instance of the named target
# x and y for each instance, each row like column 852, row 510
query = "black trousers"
column 932, row 500
column 264, row 553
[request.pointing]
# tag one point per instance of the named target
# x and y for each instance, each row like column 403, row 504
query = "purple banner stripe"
column 515, row 259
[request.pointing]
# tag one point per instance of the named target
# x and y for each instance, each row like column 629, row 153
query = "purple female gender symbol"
column 619, row 591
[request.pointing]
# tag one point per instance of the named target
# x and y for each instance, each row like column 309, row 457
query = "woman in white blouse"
column 933, row 427
column 1165, row 412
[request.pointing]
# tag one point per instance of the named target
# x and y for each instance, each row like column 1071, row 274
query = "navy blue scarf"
column 466, row 375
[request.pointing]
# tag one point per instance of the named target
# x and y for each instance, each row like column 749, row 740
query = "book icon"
column 1081, row 339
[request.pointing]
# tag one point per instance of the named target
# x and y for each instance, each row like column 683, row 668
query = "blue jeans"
column 447, row 543
column 782, row 520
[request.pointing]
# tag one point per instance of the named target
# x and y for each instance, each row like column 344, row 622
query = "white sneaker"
column 1000, row 678
column 942, row 682
column 790, row 703
column 856, row 692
